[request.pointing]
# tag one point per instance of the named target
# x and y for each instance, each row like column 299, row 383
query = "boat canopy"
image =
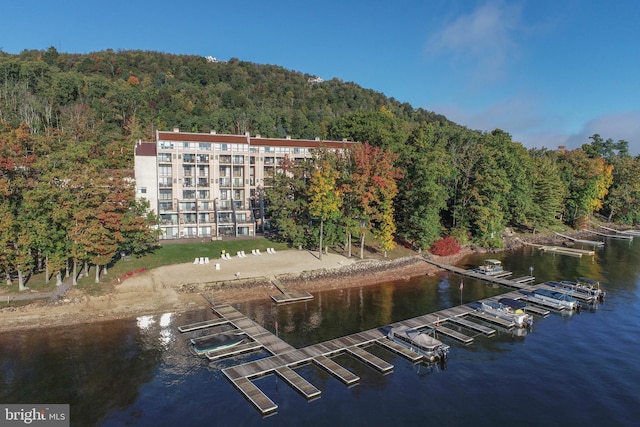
column 513, row 303
column 417, row 338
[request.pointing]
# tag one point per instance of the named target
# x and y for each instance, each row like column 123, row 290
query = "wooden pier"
column 594, row 243
column 288, row 296
column 623, row 232
column 561, row 250
column 299, row 384
column 202, row 325
column 284, row 358
column 615, row 235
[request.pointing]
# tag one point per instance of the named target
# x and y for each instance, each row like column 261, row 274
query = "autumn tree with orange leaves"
column 371, row 190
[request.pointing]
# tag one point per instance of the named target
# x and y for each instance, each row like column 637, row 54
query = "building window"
column 143, row 190
column 165, row 206
column 165, row 195
column 225, row 217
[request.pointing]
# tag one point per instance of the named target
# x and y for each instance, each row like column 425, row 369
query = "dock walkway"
column 593, row 243
column 285, row 358
column 287, row 295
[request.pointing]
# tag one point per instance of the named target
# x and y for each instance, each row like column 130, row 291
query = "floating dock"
column 594, row 243
column 288, row 296
column 561, row 250
column 202, row 325
column 284, row 358
column 612, row 236
column 524, row 279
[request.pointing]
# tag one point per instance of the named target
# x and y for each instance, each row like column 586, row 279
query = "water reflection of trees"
column 93, row 368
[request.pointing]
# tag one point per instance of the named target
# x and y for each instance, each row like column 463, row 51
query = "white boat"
column 203, row 345
column 590, row 286
column 579, row 292
column 556, row 297
column 431, row 348
column 491, row 267
column 506, row 312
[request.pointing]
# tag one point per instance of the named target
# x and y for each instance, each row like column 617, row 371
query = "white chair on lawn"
column 206, row 260
column 196, row 261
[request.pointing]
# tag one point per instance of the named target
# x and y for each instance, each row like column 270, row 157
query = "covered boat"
column 556, row 297
column 203, row 345
column 491, row 267
column 506, row 312
column 431, row 348
column 590, row 286
column 516, row 306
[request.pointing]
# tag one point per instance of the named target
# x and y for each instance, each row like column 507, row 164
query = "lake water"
column 582, row 369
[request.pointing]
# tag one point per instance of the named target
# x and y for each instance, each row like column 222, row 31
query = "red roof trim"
column 146, row 149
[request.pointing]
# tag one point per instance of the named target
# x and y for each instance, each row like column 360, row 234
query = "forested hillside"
column 127, row 95
column 68, row 124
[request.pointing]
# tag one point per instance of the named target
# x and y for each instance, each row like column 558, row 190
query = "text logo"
column 36, row 415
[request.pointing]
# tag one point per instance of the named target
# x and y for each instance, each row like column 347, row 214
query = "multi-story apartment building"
column 209, row 185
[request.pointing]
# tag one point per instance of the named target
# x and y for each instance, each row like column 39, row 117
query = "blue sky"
column 548, row 72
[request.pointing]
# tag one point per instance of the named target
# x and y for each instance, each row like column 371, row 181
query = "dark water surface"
column 582, row 369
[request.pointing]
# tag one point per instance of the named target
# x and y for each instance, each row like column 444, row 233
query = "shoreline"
column 146, row 295
column 178, row 288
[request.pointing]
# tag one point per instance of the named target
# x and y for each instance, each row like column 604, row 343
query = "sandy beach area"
column 181, row 287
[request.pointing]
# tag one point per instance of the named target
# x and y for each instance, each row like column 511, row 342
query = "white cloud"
column 624, row 125
column 518, row 115
column 484, row 39
column 523, row 118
